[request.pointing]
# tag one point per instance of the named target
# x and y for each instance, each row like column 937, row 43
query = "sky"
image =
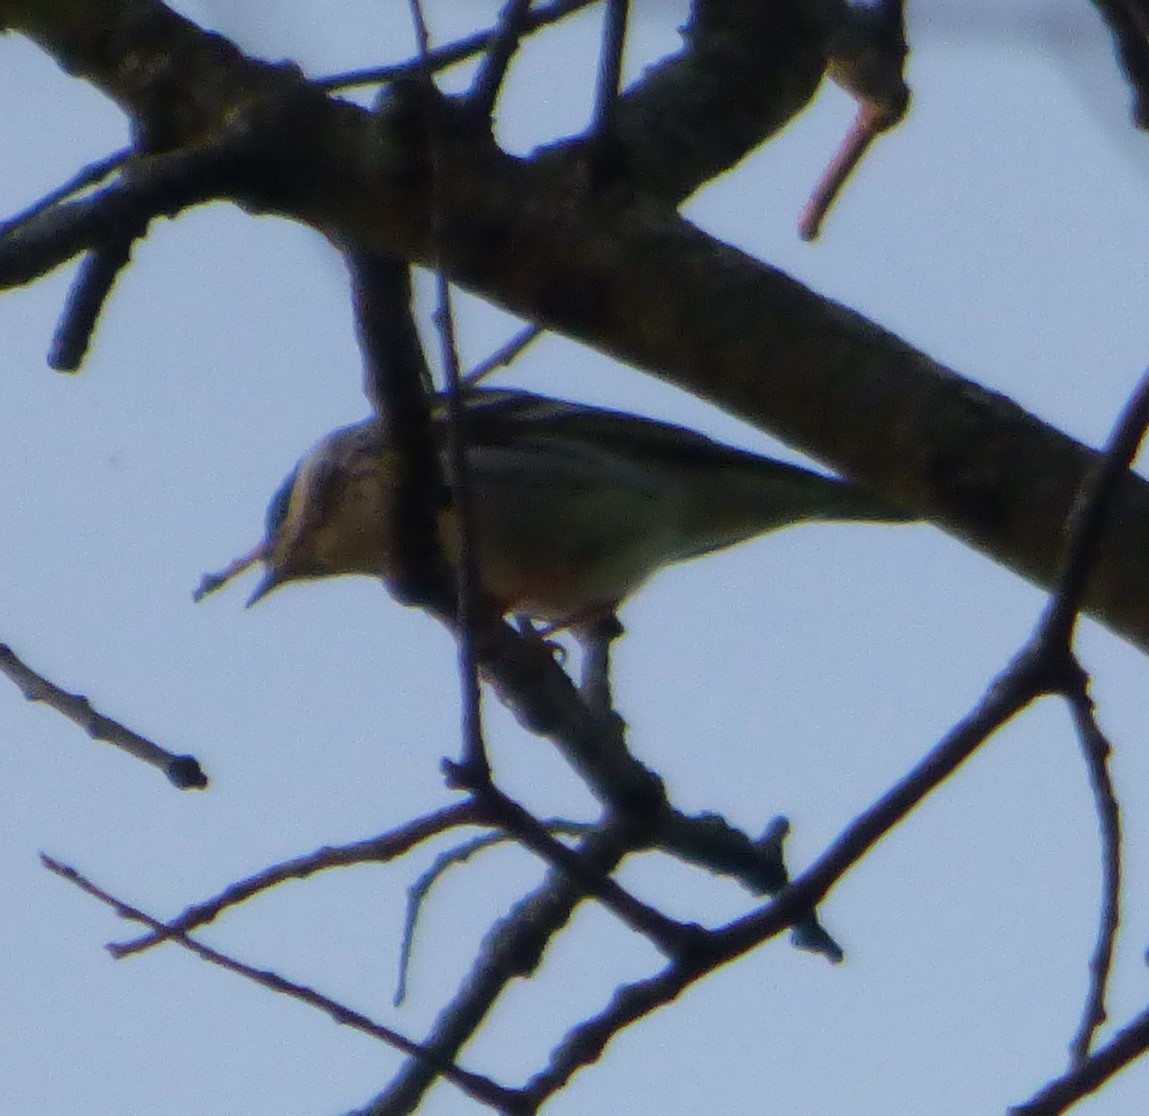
column 1000, row 228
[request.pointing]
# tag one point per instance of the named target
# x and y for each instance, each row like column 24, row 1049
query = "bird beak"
column 270, row 580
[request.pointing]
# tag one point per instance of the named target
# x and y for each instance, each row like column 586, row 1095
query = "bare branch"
column 1094, row 517
column 1096, row 750
column 610, row 68
column 1020, row 684
column 163, row 186
column 398, row 383
column 503, row 44
column 442, row 58
column 91, row 175
column 1129, row 1044
column 504, row 355
column 94, row 281
column 596, row 643
column 867, row 126
column 1086, row 529
column 418, row 891
column 471, row 606
column 375, row 850
column 1023, row 681
column 775, row 353
column 672, row 937
column 512, row 948
column 474, row 1085
column 183, row 771
column 584, row 1044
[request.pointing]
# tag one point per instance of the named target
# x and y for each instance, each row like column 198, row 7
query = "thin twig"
column 1039, row 668
column 165, row 185
column 1085, row 532
column 476, row 1086
column 1061, row 1094
column 610, row 68
column 469, row 609
column 504, row 355
column 1096, row 750
column 585, row 1043
column 504, row 42
column 538, row 692
column 375, row 850
column 183, row 771
column 419, row 891
column 91, row 175
column 513, row 948
column 450, row 55
column 1090, row 512
column 1024, row 680
column 468, row 580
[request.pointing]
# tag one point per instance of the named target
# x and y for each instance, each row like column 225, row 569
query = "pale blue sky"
column 1001, row 229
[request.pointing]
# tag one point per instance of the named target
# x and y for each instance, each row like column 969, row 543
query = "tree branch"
column 475, row 1085
column 638, row 282
column 183, row 771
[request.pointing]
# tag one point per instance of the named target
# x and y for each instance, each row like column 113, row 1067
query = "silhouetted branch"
column 162, row 186
column 89, row 292
column 183, row 771
column 1093, row 518
column 471, row 607
column 398, row 384
column 504, row 355
column 374, row 850
column 953, row 451
column 1096, row 749
column 475, row 1085
column 672, row 937
column 1129, row 1044
column 91, row 175
column 418, row 891
column 504, row 42
column 610, row 60
column 596, row 642
column 441, row 58
column 514, row 947
column 1086, row 534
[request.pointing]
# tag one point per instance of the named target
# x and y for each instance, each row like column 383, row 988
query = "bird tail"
column 758, row 495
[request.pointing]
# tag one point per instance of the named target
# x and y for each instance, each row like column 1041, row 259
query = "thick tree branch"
column 745, row 70
column 634, row 280
column 173, row 79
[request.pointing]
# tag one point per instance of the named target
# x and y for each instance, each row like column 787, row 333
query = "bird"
column 574, row 506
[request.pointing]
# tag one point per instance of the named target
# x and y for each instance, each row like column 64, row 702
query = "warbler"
column 574, row 506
